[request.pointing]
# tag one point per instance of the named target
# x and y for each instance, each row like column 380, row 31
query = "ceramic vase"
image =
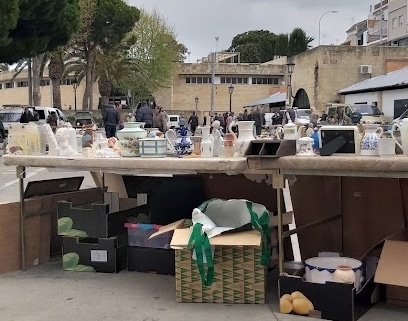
column 183, row 143
column 245, row 135
column 344, row 274
column 128, row 139
column 369, row 143
column 197, row 145
column 207, row 145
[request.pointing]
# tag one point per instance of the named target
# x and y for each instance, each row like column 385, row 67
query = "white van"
column 12, row 114
column 173, row 121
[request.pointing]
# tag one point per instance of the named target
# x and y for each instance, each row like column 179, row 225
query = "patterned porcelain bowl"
column 321, row 269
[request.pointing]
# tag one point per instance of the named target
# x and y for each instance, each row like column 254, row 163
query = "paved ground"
column 46, row 293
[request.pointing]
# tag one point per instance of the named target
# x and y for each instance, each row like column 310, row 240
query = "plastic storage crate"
column 138, row 235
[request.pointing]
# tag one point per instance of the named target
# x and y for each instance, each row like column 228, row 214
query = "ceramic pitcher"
column 245, row 135
column 403, row 129
column 369, row 143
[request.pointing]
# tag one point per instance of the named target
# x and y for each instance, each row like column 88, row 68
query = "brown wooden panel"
column 238, row 186
column 315, row 198
column 372, row 211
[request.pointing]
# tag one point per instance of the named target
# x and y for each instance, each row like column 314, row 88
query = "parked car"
column 83, row 118
column 369, row 113
column 173, row 121
column 10, row 114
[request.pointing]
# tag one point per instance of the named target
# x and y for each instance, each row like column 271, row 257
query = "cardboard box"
column 94, row 254
column 96, row 220
column 392, row 268
column 152, row 260
column 239, row 276
column 332, row 300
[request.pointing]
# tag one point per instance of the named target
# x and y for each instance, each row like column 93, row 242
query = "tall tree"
column 282, row 45
column 28, row 28
column 112, row 20
column 259, row 46
column 155, row 51
column 255, row 45
column 298, row 41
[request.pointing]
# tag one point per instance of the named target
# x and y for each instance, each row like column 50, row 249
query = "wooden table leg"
column 278, row 183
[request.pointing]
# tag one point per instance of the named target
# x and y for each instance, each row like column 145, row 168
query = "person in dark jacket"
column 27, row 116
column 258, row 119
column 145, row 114
column 111, row 119
column 193, row 122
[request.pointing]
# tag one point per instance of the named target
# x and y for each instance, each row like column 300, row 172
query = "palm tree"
column 56, row 68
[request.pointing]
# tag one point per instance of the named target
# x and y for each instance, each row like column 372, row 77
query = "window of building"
column 9, row 85
column 22, row 84
column 400, row 20
column 45, row 82
column 198, row 80
column 394, row 23
column 234, row 80
column 265, row 81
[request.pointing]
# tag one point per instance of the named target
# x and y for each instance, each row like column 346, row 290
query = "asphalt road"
column 9, row 184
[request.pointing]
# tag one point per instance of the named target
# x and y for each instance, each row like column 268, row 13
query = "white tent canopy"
column 275, row 98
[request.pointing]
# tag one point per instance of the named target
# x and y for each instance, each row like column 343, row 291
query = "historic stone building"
column 321, row 72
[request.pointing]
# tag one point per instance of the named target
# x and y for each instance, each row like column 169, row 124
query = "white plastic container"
column 153, row 147
column 321, row 269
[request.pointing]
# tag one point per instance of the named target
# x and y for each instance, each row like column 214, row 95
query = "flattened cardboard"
column 247, row 238
column 168, row 228
column 393, row 264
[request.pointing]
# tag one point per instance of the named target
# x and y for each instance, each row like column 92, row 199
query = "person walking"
column 258, row 119
column 111, row 119
column 193, row 122
column 160, row 119
column 145, row 114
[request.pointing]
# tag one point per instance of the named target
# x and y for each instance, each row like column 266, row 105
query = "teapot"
column 292, row 132
column 245, row 135
column 403, row 128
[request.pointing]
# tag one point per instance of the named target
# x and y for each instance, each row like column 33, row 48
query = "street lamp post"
column 291, row 67
column 75, row 86
column 196, row 102
column 320, row 19
column 230, row 91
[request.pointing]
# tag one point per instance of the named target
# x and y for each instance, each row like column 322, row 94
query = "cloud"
column 198, row 23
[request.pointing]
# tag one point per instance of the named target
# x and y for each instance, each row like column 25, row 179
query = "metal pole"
column 30, row 82
column 196, row 108
column 212, row 83
column 20, row 171
column 290, row 90
column 75, row 100
column 230, row 103
column 320, row 19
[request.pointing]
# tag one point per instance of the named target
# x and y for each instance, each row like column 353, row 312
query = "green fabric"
column 262, row 225
column 199, row 241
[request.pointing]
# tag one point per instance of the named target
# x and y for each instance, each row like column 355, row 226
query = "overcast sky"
column 197, row 23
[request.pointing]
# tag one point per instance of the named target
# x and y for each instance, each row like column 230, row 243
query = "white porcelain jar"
column 128, row 139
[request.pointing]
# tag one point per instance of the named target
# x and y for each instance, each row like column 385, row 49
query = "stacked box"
column 239, row 277
column 147, row 254
column 94, row 236
column 84, row 254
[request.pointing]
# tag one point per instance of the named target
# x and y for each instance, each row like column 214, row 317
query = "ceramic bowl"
column 321, row 269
